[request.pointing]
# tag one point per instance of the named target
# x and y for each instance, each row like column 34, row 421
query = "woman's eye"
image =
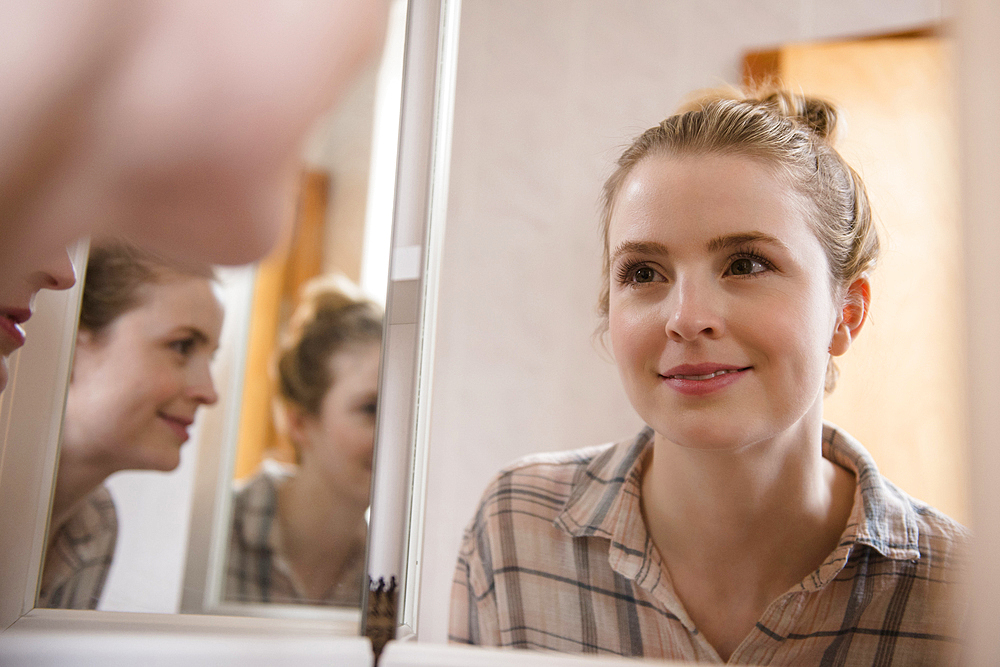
column 745, row 266
column 185, row 346
column 644, row 274
column 641, row 274
column 367, row 410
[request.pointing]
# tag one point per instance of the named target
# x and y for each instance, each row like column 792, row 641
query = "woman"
column 738, row 526
column 148, row 330
column 17, row 297
column 298, row 535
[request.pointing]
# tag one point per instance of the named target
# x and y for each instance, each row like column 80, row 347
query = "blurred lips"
column 179, row 425
column 701, row 379
column 11, row 333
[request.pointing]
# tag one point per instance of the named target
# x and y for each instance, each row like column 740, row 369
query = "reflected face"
column 17, row 300
column 341, row 438
column 721, row 308
column 137, row 385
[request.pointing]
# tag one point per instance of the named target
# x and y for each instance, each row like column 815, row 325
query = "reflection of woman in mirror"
column 148, row 330
column 298, row 533
column 737, row 526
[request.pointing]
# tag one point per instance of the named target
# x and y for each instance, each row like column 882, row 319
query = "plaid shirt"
column 79, row 555
column 257, row 570
column 558, row 558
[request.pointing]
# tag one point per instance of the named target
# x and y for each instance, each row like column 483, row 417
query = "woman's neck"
column 77, row 476
column 746, row 499
column 736, row 529
column 321, row 531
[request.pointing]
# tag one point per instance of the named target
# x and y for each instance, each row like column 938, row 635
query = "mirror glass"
column 210, row 436
column 537, row 129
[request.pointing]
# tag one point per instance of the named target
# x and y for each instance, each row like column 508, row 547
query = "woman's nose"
column 57, row 273
column 202, row 386
column 695, row 311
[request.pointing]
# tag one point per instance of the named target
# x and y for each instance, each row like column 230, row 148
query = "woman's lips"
column 11, row 333
column 179, row 425
column 702, row 379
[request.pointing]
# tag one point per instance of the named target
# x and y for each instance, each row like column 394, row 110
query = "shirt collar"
column 600, row 489
column 604, row 501
column 884, row 517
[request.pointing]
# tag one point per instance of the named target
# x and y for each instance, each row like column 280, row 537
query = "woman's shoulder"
column 933, row 526
column 263, row 485
column 553, row 473
column 556, row 464
column 892, row 520
column 537, row 488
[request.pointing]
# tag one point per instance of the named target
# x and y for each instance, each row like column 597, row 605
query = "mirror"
column 173, row 526
column 536, row 130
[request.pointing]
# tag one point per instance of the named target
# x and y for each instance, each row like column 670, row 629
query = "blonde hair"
column 332, row 316
column 792, row 133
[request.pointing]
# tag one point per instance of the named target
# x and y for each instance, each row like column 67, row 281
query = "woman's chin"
column 707, row 439
column 160, row 462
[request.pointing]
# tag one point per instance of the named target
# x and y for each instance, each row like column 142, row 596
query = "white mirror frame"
column 395, row 528
column 37, row 383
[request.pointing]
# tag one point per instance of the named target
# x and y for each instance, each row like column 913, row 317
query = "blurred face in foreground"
column 174, row 124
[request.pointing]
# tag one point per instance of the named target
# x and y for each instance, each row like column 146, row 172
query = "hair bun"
column 324, row 297
column 821, row 117
column 818, row 115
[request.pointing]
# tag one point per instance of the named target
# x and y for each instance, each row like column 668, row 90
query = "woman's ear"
column 853, row 313
column 85, row 341
column 84, row 337
column 297, row 422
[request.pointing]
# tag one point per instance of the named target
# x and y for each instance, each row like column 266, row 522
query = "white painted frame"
column 398, row 488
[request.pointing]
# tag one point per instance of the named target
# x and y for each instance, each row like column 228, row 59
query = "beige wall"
column 979, row 57
column 548, row 92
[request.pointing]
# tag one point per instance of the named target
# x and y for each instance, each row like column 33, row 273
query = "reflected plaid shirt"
column 79, row 555
column 257, row 570
column 558, row 558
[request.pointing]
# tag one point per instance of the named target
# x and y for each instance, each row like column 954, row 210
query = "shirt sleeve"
column 474, row 617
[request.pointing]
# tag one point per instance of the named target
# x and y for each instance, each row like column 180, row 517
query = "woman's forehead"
column 705, row 195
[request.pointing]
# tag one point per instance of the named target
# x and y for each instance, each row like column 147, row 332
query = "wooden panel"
column 276, row 287
column 900, row 390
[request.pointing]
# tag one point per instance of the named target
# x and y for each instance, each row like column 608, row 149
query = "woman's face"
column 339, row 441
column 137, row 385
column 722, row 314
column 17, row 298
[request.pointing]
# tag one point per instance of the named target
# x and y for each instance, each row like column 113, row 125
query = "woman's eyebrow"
column 639, row 247
column 194, row 332
column 733, row 240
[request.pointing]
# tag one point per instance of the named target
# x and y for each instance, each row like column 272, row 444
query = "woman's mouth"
column 701, row 379
column 179, row 425
column 11, row 333
column 707, row 376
